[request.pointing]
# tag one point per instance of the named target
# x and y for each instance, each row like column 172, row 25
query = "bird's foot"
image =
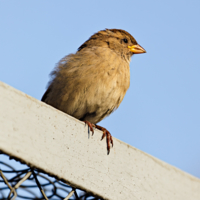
column 106, row 133
column 90, row 125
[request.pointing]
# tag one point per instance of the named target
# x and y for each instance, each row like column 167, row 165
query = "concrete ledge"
column 58, row 144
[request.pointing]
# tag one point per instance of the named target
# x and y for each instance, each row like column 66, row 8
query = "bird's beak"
column 136, row 49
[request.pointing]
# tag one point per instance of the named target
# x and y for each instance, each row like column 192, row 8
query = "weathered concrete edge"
column 98, row 148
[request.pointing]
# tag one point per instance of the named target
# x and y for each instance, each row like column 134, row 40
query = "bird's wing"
column 44, row 97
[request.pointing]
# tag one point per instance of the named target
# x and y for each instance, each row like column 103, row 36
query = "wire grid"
column 18, row 181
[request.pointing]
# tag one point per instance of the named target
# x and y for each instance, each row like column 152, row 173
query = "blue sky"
column 160, row 113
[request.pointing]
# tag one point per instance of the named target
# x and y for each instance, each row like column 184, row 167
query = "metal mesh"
column 18, row 181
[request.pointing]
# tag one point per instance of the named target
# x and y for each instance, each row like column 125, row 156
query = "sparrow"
column 90, row 84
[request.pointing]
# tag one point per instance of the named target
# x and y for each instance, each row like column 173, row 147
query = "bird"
column 91, row 83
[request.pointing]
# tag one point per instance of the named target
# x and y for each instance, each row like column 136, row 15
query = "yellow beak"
column 136, row 49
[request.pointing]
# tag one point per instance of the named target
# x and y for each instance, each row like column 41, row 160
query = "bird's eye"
column 125, row 40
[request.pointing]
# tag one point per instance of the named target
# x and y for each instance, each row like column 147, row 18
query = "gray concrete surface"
column 48, row 139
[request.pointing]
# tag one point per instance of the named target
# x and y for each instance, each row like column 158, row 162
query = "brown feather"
column 91, row 84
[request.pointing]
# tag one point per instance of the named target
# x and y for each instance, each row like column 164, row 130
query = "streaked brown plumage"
column 90, row 84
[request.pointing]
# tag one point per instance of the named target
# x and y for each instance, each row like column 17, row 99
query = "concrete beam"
column 48, row 139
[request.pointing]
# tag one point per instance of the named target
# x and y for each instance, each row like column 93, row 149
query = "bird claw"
column 90, row 128
column 109, row 139
column 106, row 133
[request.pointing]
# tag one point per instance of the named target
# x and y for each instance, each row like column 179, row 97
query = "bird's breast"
column 95, row 84
column 109, row 86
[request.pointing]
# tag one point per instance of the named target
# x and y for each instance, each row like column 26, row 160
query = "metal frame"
column 24, row 183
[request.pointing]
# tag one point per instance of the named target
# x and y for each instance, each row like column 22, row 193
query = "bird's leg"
column 106, row 133
column 90, row 125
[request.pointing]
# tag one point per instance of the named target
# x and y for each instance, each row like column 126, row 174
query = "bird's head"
column 119, row 41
